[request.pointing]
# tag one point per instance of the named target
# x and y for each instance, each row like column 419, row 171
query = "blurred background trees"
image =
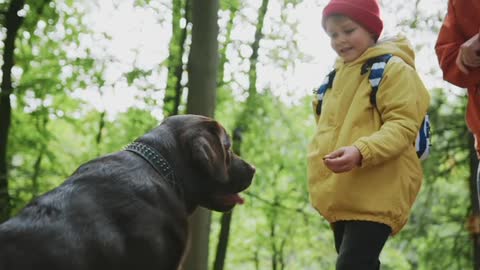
column 67, row 96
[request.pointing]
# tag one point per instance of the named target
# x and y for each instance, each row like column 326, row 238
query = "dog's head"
column 210, row 173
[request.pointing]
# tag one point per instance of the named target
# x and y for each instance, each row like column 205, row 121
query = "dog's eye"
column 227, row 146
column 228, row 151
column 228, row 156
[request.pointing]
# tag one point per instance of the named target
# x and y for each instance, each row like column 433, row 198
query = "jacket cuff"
column 365, row 152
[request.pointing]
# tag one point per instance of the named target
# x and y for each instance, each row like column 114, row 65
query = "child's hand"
column 469, row 54
column 343, row 160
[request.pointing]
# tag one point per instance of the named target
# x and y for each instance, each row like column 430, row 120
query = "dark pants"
column 359, row 243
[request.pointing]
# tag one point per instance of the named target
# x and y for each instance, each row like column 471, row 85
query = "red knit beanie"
column 364, row 12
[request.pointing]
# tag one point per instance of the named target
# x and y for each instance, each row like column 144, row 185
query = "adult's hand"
column 469, row 54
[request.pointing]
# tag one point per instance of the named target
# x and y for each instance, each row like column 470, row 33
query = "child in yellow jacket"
column 363, row 170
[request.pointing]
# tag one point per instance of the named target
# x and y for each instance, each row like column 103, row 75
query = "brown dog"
column 129, row 209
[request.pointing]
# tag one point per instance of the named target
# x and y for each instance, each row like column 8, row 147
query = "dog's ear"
column 209, row 158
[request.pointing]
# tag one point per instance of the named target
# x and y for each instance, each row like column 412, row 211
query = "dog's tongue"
column 238, row 199
column 233, row 199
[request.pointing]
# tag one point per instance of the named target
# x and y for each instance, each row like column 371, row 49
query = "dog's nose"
column 252, row 170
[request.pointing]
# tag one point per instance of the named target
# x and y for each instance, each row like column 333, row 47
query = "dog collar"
column 158, row 162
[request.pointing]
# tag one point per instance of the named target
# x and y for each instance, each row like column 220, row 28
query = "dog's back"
column 41, row 223
column 93, row 220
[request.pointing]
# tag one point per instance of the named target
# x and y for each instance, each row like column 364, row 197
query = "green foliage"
column 436, row 229
column 44, row 76
column 142, row 2
column 53, row 132
column 285, row 228
column 137, row 73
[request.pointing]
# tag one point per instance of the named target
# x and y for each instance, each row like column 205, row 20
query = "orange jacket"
column 461, row 23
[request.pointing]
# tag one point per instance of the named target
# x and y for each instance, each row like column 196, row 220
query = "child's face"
column 348, row 38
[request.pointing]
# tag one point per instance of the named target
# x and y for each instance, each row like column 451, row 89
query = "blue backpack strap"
column 422, row 143
column 327, row 84
column 377, row 67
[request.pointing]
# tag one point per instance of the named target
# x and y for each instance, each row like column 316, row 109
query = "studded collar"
column 158, row 162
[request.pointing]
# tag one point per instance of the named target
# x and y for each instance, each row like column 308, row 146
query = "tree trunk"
column 100, row 130
column 228, row 38
column 241, row 126
column 273, row 236
column 203, row 58
column 222, row 245
column 474, row 222
column 36, row 171
column 226, row 219
column 202, row 72
column 13, row 23
column 101, row 126
column 173, row 91
column 255, row 46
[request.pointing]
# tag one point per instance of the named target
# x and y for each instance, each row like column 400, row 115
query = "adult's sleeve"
column 450, row 38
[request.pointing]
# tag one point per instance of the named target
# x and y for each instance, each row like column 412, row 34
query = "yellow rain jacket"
column 383, row 189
